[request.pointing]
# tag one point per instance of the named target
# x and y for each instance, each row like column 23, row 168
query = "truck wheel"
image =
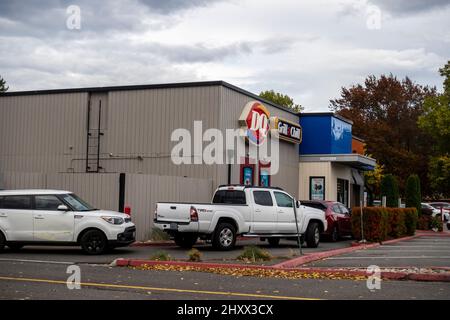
column 313, row 235
column 185, row 240
column 2, row 241
column 224, row 236
column 273, row 242
column 94, row 242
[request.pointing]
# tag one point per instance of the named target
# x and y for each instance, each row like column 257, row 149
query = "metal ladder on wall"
column 93, row 141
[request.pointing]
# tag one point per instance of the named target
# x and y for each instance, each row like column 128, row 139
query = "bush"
column 374, row 221
column 396, row 227
column 389, row 188
column 254, row 254
column 411, row 218
column 194, row 255
column 158, row 235
column 413, row 195
column 427, row 222
column 161, row 256
column 382, row 223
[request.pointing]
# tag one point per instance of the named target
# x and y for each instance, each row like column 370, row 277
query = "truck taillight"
column 194, row 214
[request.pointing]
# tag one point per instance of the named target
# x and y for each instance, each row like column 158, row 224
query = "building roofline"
column 147, row 87
column 323, row 114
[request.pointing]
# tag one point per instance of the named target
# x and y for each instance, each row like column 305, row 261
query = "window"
column 263, row 198
column 283, row 200
column 77, row 203
column 15, row 202
column 342, row 191
column 335, row 208
column 47, row 202
column 344, row 210
column 230, row 196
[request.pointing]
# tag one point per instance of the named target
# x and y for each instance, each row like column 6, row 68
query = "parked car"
column 54, row 217
column 267, row 213
column 338, row 218
column 445, row 208
column 430, row 210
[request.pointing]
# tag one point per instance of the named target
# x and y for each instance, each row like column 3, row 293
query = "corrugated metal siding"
column 22, row 180
column 41, row 133
column 232, row 104
column 143, row 191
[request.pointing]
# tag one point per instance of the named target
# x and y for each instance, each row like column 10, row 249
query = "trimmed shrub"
column 424, row 222
column 194, row 255
column 374, row 221
column 389, row 188
column 413, row 193
column 254, row 254
column 411, row 218
column 158, row 235
column 161, row 256
column 396, row 227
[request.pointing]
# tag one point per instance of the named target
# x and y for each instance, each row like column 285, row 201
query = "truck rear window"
column 230, row 196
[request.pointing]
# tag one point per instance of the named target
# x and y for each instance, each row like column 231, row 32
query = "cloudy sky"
column 306, row 49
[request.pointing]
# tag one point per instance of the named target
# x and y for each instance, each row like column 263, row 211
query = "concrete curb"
column 326, row 254
column 323, row 271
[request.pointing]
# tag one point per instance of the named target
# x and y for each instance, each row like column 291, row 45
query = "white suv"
column 54, row 217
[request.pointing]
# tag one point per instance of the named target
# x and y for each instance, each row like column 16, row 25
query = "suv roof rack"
column 247, row 186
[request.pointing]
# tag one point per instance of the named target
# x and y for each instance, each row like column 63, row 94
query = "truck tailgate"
column 173, row 212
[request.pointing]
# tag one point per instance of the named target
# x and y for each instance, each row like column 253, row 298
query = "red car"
column 337, row 215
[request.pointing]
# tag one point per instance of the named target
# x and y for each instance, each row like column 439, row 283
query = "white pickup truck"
column 267, row 213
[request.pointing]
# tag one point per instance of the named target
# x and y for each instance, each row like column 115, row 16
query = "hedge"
column 427, row 222
column 383, row 223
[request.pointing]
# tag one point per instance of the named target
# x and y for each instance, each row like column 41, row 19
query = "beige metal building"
column 83, row 139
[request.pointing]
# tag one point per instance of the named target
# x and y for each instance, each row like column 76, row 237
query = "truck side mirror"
column 297, row 203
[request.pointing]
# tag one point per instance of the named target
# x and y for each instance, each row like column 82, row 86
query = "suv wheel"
column 273, row 242
column 185, row 240
column 2, row 241
column 224, row 237
column 94, row 242
column 313, row 235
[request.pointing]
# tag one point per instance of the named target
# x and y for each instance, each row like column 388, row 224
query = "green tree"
column 3, row 86
column 413, row 194
column 389, row 189
column 439, row 175
column 281, row 99
column 435, row 119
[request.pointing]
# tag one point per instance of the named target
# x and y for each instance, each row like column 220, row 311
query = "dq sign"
column 255, row 122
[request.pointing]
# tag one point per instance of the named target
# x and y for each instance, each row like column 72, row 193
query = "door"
column 49, row 223
column 346, row 220
column 285, row 212
column 264, row 213
column 16, row 217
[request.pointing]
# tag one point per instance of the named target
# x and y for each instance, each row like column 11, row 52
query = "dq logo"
column 255, row 121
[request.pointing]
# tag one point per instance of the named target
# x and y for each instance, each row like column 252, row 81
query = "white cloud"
column 306, row 49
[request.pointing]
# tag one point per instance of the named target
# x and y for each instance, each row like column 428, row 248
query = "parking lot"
column 425, row 251
column 286, row 250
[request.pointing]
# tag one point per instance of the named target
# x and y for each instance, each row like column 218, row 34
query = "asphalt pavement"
column 44, row 280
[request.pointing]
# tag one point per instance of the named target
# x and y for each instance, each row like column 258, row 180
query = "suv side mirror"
column 63, row 207
column 297, row 203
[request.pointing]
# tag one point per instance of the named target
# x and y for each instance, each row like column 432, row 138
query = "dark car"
column 444, row 206
column 337, row 215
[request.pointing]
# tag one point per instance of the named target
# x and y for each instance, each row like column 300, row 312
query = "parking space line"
column 119, row 286
column 385, row 257
column 38, row 261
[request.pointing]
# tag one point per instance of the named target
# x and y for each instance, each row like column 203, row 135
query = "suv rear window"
column 15, row 202
column 230, row 197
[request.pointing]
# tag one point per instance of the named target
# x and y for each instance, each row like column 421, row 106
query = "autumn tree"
column 384, row 112
column 281, row 99
column 3, row 86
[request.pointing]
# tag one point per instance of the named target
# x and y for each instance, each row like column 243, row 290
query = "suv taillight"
column 194, row 214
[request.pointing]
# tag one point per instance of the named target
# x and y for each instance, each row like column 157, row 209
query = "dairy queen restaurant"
column 113, row 146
